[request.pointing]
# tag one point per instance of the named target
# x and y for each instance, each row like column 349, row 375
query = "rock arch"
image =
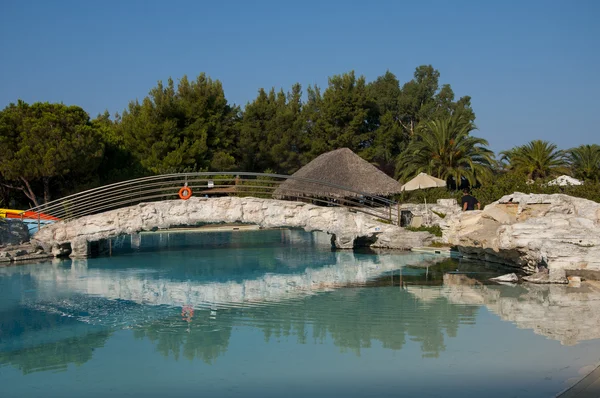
column 345, row 226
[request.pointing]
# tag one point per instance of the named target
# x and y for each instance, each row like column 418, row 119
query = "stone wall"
column 346, row 225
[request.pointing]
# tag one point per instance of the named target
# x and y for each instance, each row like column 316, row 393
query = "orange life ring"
column 185, row 193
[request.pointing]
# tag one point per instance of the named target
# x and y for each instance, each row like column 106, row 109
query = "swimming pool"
column 278, row 313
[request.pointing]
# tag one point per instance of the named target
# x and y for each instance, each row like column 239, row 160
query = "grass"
column 441, row 244
column 440, row 215
column 434, row 230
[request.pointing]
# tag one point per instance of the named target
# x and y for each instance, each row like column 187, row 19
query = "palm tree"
column 444, row 148
column 537, row 159
column 585, row 162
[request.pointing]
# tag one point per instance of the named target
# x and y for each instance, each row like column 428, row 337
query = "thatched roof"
column 341, row 167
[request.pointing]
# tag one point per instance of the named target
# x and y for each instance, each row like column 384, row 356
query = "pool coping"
column 587, row 387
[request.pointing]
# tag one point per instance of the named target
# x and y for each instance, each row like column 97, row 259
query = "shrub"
column 439, row 214
column 442, row 244
column 431, row 195
column 434, row 230
column 508, row 183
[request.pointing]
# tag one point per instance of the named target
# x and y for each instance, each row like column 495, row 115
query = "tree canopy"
column 585, row 162
column 537, row 159
column 177, row 129
column 445, row 149
column 403, row 128
column 44, row 141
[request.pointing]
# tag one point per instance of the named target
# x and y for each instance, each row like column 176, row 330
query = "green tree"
column 585, row 162
column 399, row 112
column 343, row 117
column 390, row 138
column 285, row 138
column 271, row 132
column 118, row 163
column 422, row 100
column 445, row 149
column 311, row 115
column 254, row 151
column 41, row 142
column 180, row 129
column 536, row 159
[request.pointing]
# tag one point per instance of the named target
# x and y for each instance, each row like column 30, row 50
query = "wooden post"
column 398, row 204
column 401, row 282
column 390, row 209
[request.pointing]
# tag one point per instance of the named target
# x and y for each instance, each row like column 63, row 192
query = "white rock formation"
column 557, row 231
column 345, row 226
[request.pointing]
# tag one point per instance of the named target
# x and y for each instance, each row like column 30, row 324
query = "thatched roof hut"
column 341, row 167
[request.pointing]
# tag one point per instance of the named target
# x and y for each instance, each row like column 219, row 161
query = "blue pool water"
column 278, row 313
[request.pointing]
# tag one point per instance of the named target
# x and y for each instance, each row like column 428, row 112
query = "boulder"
column 13, row 232
column 24, row 252
column 557, row 231
column 5, row 257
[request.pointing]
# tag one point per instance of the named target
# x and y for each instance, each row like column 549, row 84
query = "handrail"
column 166, row 186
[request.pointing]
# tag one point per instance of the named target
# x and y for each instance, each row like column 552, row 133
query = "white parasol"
column 423, row 181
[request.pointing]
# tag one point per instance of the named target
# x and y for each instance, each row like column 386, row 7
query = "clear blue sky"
column 531, row 67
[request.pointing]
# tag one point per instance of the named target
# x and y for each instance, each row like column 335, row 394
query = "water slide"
column 31, row 218
column 26, row 215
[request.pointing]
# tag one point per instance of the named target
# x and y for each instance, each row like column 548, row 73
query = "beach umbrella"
column 422, row 181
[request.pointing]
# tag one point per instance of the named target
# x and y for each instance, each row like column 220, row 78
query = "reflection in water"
column 57, row 355
column 559, row 312
column 352, row 318
column 198, row 340
column 34, row 340
column 192, row 303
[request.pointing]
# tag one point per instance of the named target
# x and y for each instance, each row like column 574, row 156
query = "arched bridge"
column 268, row 200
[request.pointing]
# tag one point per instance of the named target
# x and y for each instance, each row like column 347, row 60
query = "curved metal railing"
column 241, row 184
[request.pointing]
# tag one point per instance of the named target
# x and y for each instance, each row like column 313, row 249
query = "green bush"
column 589, row 190
column 503, row 184
column 442, row 244
column 439, row 214
column 508, row 183
column 434, row 230
column 430, row 195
